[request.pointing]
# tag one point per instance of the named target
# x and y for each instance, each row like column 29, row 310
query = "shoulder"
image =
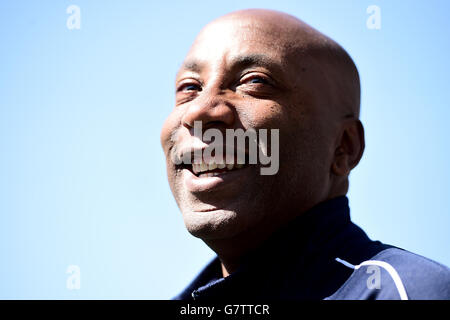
column 423, row 278
column 394, row 270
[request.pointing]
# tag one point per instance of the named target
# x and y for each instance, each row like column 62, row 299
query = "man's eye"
column 255, row 79
column 258, row 80
column 190, row 87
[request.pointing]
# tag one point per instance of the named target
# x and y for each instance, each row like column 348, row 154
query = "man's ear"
column 350, row 147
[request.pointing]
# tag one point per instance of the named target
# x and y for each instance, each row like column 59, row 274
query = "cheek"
column 262, row 114
column 166, row 132
column 169, row 128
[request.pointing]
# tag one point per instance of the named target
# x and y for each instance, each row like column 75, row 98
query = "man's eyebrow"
column 237, row 62
column 261, row 60
column 192, row 65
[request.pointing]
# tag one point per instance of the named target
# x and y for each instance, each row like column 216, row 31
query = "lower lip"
column 196, row 184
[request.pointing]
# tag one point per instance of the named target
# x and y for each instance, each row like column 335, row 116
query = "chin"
column 213, row 224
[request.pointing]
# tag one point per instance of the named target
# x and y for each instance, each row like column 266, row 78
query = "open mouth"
column 204, row 170
column 202, row 175
column 211, row 169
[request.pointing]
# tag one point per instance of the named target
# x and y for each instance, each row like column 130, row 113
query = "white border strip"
column 390, row 269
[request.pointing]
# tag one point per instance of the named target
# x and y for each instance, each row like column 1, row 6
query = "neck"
column 233, row 251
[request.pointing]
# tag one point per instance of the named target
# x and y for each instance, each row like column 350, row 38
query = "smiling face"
column 249, row 70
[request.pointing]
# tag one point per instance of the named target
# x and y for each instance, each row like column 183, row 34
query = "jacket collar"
column 295, row 248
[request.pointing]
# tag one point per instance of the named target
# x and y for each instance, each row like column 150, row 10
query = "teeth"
column 195, row 168
column 203, row 167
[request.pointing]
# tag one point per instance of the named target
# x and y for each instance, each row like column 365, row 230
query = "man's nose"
column 213, row 110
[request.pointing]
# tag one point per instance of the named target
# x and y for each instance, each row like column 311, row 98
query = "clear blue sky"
column 82, row 175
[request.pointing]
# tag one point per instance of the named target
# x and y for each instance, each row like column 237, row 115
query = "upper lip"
column 190, row 155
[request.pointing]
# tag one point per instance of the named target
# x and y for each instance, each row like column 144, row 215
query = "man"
column 286, row 235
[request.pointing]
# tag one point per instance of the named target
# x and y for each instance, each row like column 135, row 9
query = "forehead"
column 230, row 40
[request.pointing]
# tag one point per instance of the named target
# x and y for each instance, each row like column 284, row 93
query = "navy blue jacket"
column 298, row 262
